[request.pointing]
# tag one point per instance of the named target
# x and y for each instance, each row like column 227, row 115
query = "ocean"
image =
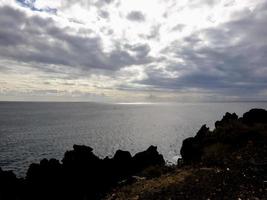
column 31, row 131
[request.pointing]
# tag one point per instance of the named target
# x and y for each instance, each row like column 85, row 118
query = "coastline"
column 214, row 164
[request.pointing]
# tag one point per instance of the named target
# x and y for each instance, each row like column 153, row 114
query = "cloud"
column 178, row 27
column 198, row 3
column 226, row 59
column 209, row 48
column 136, row 16
column 31, row 4
column 33, row 39
column 153, row 34
column 104, row 14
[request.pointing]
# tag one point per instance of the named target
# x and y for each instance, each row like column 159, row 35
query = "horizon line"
column 134, row 102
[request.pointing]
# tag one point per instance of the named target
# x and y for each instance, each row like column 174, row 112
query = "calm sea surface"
column 32, row 131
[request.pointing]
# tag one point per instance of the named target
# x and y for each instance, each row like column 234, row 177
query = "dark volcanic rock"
column 227, row 118
column 121, row 164
column 80, row 156
column 122, row 156
column 10, row 186
column 191, row 150
column 147, row 158
column 255, row 116
column 81, row 176
column 203, row 132
column 45, row 170
column 192, row 147
column 231, row 135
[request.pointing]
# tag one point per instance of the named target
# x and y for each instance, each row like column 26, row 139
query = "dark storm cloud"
column 39, row 40
column 136, row 16
column 230, row 58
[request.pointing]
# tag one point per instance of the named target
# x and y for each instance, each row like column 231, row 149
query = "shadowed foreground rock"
column 82, row 175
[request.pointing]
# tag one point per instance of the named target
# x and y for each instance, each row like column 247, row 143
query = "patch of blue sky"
column 30, row 4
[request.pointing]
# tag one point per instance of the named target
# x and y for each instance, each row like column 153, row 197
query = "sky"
column 133, row 50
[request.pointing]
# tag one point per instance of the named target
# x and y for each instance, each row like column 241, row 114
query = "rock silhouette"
column 231, row 134
column 255, row 116
column 227, row 118
column 10, row 186
column 81, row 175
column 191, row 150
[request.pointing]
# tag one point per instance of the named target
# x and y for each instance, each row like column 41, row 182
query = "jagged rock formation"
column 229, row 162
column 232, row 136
column 82, row 175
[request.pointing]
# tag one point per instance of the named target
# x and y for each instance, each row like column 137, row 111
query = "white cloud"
column 115, row 46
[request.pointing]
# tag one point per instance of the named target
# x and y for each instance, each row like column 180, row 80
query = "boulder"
column 80, row 155
column 190, row 150
column 255, row 116
column 122, row 156
column 147, row 158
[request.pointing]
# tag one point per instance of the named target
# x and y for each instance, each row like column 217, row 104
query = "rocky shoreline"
column 229, row 162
